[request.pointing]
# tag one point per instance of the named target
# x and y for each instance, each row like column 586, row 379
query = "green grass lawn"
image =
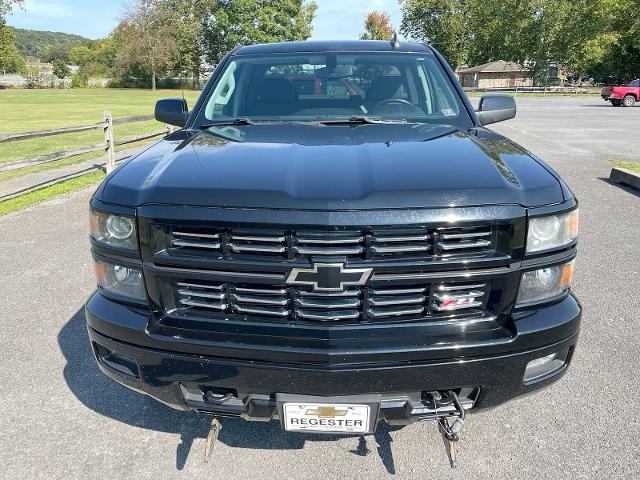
column 39, row 196
column 26, row 110
column 633, row 166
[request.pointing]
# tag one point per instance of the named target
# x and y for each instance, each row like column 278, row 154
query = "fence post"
column 109, row 145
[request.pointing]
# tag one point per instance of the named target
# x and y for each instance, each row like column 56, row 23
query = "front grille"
column 352, row 304
column 379, row 243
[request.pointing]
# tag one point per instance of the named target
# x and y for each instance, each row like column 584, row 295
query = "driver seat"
column 385, row 88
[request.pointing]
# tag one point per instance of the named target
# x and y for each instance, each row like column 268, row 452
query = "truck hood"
column 333, row 167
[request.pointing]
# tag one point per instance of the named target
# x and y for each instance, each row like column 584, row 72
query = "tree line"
column 596, row 39
column 159, row 38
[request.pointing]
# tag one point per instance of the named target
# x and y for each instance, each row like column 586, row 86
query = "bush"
column 79, row 80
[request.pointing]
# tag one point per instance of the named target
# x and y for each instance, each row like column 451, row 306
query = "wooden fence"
column 108, row 146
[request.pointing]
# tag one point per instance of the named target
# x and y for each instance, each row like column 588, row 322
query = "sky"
column 335, row 19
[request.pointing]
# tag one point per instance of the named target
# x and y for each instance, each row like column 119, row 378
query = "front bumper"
column 182, row 379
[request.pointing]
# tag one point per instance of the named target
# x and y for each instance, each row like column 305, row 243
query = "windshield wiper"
column 360, row 119
column 223, row 123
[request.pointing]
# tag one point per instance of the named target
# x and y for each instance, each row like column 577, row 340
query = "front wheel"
column 628, row 101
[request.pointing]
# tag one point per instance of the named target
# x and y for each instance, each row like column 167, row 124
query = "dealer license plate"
column 328, row 418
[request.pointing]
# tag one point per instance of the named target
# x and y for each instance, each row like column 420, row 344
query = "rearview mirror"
column 496, row 108
column 172, row 111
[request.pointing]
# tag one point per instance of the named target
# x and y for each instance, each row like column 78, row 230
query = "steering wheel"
column 390, row 101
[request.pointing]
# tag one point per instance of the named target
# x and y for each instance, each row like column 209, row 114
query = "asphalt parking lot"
column 61, row 418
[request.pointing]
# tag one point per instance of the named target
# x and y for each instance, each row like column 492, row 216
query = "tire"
column 616, row 103
column 628, row 101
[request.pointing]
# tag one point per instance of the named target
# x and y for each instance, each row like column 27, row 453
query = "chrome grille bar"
column 380, row 301
column 400, row 248
column 447, row 236
column 413, row 302
column 329, row 316
column 236, row 247
column 394, row 312
column 458, row 246
column 277, row 312
column 259, row 300
column 463, row 239
column 330, row 240
column 328, row 250
column 194, row 293
column 250, row 238
column 194, row 244
column 195, row 234
column 201, row 304
column 407, row 238
column 328, row 304
column 365, row 244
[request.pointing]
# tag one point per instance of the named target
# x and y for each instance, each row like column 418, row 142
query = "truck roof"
column 311, row 46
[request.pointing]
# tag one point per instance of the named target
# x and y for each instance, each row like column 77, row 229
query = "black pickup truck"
column 333, row 240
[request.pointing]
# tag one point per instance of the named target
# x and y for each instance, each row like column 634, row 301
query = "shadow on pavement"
column 606, row 105
column 621, row 186
column 108, row 398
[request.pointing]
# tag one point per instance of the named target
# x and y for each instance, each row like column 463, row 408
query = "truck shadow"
column 112, row 400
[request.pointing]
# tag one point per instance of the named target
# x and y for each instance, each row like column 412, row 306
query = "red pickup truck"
column 626, row 95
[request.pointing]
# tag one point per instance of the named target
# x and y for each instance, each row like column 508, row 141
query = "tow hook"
column 450, row 430
column 216, row 426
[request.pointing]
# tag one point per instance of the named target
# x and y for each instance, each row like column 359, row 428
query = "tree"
column 611, row 51
column 96, row 57
column 538, row 33
column 10, row 59
column 6, row 6
column 145, row 41
column 240, row 22
column 377, row 26
column 51, row 53
column 443, row 23
column 187, row 18
column 60, row 69
column 80, row 55
column 596, row 38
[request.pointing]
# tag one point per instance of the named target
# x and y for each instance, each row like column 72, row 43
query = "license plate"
column 328, row 418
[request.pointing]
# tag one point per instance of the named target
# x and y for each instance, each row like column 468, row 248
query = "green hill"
column 32, row 43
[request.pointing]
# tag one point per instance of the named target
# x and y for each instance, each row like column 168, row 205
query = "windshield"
column 391, row 86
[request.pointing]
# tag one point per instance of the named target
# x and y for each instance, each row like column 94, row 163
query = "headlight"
column 553, row 231
column 120, row 280
column 545, row 283
column 114, row 230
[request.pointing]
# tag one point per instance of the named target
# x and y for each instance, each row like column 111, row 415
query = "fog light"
column 120, row 363
column 543, row 366
column 120, row 280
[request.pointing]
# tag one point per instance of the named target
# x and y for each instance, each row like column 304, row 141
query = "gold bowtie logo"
column 327, row 412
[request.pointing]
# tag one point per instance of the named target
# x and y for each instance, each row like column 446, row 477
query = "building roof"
column 493, row 67
column 332, row 46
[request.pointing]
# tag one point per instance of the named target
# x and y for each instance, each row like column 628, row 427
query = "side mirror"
column 496, row 108
column 172, row 111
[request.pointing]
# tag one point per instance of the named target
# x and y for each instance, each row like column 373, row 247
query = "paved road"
column 63, row 419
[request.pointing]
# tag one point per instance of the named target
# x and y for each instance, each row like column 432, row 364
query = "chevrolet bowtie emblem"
column 329, row 276
column 327, row 412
